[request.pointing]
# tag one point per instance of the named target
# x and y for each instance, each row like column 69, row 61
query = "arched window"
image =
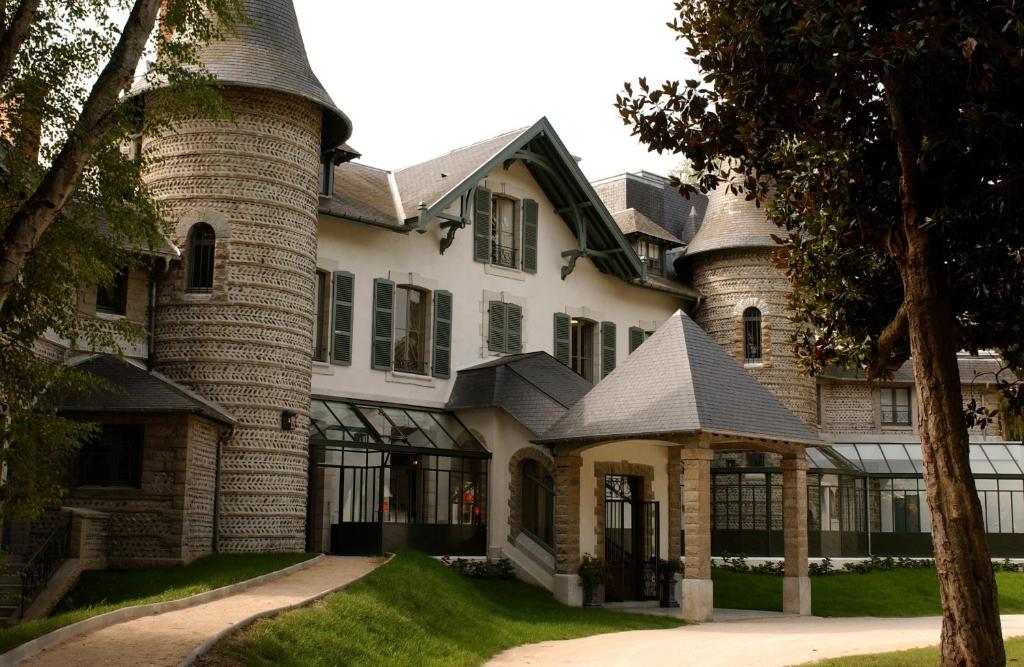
column 201, row 240
column 538, row 503
column 752, row 352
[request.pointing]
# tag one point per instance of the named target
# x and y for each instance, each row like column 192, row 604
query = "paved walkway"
column 164, row 640
column 764, row 642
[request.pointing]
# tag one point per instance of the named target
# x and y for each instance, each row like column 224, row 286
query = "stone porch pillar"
column 675, row 525
column 796, row 587
column 567, row 529
column 698, row 591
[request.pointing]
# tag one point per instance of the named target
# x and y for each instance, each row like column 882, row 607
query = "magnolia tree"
column 72, row 206
column 887, row 141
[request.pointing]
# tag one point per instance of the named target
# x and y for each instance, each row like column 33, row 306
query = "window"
column 752, row 353
column 327, row 175
column 112, row 458
column 112, row 298
column 895, row 405
column 411, row 307
column 322, row 299
column 504, row 327
column 538, row 503
column 201, row 242
column 504, row 233
column 818, row 405
column 650, row 253
column 581, row 357
column 637, row 336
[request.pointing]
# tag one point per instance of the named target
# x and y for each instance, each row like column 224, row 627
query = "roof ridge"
column 357, row 163
column 538, row 387
column 516, row 132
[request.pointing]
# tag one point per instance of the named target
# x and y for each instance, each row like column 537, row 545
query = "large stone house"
column 482, row 354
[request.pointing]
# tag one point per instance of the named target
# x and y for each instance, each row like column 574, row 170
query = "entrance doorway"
column 631, row 534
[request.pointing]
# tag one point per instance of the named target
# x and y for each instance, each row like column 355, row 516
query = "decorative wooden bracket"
column 455, row 223
column 577, row 253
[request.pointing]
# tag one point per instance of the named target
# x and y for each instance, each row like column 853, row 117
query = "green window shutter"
column 497, row 326
column 530, row 210
column 482, row 225
column 383, row 323
column 607, row 348
column 636, row 338
column 513, row 328
column 563, row 336
column 341, row 329
column 442, row 365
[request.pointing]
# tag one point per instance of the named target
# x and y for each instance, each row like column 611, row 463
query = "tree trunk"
column 971, row 633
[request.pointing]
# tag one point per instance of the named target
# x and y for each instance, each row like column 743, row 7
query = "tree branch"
column 892, row 349
column 14, row 35
column 39, row 211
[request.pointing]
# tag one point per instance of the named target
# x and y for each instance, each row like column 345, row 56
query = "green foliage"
column 796, row 108
column 477, row 568
column 593, row 570
column 896, row 592
column 109, row 219
column 99, row 592
column 415, row 611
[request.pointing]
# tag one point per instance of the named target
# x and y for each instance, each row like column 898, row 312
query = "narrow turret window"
column 201, row 240
column 752, row 353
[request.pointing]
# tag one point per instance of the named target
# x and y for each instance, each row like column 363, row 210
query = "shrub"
column 502, row 568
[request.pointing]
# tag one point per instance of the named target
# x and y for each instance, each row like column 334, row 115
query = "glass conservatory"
column 385, row 477
column 862, row 498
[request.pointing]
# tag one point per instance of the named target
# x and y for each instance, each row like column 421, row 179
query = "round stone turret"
column 731, row 260
column 234, row 318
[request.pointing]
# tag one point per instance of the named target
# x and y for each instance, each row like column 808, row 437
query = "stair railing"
column 45, row 561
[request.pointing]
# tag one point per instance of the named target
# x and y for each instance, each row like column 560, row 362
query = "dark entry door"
column 358, row 531
column 630, row 540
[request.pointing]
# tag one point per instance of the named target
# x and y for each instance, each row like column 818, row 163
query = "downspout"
column 151, row 317
column 224, row 436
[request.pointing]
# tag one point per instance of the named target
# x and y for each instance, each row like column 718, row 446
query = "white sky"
column 419, row 78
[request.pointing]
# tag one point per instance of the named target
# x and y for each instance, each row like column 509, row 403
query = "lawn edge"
column 268, row 613
column 94, row 623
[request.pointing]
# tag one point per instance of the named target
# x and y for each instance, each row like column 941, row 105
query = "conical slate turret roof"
column 732, row 222
column 679, row 382
column 267, row 52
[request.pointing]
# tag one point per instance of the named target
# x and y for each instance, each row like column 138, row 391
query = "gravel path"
column 764, row 642
column 164, row 640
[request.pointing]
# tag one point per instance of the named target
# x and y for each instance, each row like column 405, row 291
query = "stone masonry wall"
column 247, row 345
column 200, row 486
column 734, row 280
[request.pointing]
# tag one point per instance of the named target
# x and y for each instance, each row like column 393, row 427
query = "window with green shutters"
column 530, row 215
column 482, row 224
column 637, row 336
column 442, row 358
column 562, row 349
column 341, row 327
column 504, row 327
column 383, row 323
column 607, row 348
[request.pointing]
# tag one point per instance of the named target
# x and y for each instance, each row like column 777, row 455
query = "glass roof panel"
column 836, row 459
column 979, row 462
column 1000, row 458
column 914, row 450
column 1016, row 450
column 871, row 457
column 849, row 451
column 897, row 458
column 397, row 425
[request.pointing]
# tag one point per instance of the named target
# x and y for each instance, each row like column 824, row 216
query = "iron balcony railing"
column 895, row 415
column 503, row 256
column 45, row 561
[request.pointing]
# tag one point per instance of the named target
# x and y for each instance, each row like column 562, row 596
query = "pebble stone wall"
column 247, row 345
column 733, row 280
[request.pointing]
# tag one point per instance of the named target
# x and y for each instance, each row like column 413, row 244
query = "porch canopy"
column 682, row 389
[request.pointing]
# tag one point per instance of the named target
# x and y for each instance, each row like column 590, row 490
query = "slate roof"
column 363, row 194
column 679, row 382
column 981, row 369
column 267, row 52
column 732, row 222
column 428, row 181
column 134, row 389
column 534, row 388
column 632, row 221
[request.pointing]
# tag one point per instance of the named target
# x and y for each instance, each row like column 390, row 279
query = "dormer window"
column 112, row 298
column 650, row 253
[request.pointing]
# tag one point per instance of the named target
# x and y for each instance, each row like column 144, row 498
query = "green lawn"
column 918, row 657
column 415, row 611
column 100, row 592
column 901, row 592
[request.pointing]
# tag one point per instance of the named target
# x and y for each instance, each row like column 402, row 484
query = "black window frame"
column 423, row 362
column 112, row 298
column 753, row 341
column 537, row 503
column 116, row 450
column 202, row 244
